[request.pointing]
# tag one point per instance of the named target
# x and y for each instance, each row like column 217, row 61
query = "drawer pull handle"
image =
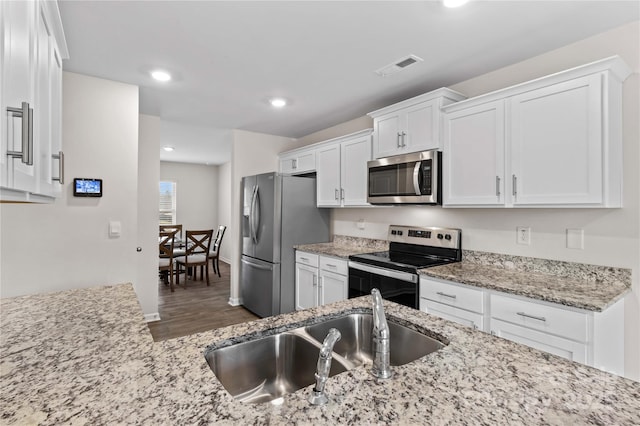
column 522, row 314
column 306, row 259
column 331, row 266
column 451, row 296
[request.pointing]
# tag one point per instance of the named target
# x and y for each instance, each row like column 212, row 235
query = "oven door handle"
column 402, row 276
column 416, row 177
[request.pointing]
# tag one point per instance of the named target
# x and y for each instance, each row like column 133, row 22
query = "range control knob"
column 399, row 232
column 440, row 236
column 447, row 237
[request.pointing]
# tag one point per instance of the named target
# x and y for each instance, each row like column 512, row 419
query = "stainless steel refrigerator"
column 278, row 212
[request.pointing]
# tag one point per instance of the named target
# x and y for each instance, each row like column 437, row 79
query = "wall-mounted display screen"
column 86, row 187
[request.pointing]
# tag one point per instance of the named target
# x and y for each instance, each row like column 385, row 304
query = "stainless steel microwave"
column 406, row 179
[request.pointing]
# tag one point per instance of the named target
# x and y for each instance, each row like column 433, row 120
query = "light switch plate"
column 115, row 227
column 575, row 239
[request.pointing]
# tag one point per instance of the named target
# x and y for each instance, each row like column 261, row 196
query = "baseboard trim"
column 152, row 317
column 235, row 301
column 225, row 260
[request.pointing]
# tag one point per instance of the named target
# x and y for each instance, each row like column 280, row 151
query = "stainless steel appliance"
column 278, row 213
column 406, row 179
column 395, row 272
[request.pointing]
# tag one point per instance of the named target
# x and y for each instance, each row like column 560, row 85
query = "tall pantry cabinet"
column 32, row 49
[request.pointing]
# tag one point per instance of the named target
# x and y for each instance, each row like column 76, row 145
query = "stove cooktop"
column 399, row 261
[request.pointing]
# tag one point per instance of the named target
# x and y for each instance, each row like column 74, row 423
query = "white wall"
column 196, row 193
column 66, row 244
column 224, row 208
column 611, row 235
column 252, row 153
column 148, row 200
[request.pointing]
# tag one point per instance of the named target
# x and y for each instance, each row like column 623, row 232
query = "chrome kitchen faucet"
column 318, row 396
column 381, row 350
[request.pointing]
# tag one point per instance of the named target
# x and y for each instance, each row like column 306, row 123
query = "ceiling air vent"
column 398, row 65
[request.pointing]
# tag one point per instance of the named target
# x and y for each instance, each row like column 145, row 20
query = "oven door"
column 399, row 287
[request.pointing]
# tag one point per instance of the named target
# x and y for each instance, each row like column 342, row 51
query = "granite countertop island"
column 86, row 357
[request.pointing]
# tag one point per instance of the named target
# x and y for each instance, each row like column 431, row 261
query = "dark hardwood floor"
column 196, row 308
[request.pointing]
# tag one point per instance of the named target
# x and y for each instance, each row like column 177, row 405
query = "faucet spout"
column 381, row 348
column 318, row 395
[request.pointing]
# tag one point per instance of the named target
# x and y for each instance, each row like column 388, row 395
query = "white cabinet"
column 412, row 125
column 552, row 142
column 591, row 338
column 454, row 302
column 342, row 170
column 32, row 50
column 319, row 280
column 298, row 161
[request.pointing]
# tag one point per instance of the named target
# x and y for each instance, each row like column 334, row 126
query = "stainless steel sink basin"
column 267, row 368
column 356, row 343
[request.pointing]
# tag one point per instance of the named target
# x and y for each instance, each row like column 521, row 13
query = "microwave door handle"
column 416, row 177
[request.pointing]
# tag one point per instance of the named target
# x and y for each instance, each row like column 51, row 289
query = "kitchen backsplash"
column 369, row 243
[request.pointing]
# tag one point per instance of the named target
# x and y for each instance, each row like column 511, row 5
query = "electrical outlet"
column 523, row 235
column 360, row 224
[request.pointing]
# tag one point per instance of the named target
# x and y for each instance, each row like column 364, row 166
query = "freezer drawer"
column 260, row 286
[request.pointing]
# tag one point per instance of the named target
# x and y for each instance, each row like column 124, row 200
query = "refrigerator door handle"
column 252, row 216
column 256, row 265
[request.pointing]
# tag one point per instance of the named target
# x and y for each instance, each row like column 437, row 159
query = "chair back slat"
column 218, row 239
column 177, row 228
column 198, row 242
column 166, row 243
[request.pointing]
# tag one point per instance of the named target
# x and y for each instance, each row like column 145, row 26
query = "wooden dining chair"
column 214, row 253
column 166, row 246
column 178, row 248
column 198, row 245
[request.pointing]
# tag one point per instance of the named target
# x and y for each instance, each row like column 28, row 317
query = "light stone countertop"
column 578, row 285
column 86, row 357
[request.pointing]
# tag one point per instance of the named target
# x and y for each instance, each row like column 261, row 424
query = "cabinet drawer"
column 307, row 258
column 451, row 294
column 538, row 316
column 333, row 264
column 460, row 316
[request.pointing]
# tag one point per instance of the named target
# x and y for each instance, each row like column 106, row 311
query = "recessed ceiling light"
column 454, row 3
column 278, row 102
column 168, row 148
column 161, row 75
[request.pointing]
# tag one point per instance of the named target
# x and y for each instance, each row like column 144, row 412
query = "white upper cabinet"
column 298, row 161
column 33, row 47
column 412, row 125
column 342, row 170
column 551, row 142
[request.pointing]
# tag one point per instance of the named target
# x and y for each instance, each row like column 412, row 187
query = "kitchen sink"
column 264, row 369
column 267, row 368
column 356, row 343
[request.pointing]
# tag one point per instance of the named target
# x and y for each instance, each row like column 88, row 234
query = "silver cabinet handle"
column 306, row 259
column 294, row 163
column 497, row 186
column 336, row 194
column 451, row 296
column 331, row 265
column 60, row 157
column 404, row 135
column 342, row 193
column 522, row 314
column 398, row 140
column 26, row 113
column 514, row 183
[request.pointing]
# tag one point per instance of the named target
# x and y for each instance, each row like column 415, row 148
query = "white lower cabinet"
column 454, row 302
column 319, row 280
column 588, row 337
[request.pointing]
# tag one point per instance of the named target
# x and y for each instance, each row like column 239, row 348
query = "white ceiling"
column 228, row 58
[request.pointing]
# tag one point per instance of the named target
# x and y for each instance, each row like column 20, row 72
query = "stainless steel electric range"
column 395, row 272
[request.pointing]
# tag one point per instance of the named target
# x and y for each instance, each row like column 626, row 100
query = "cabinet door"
column 42, row 117
column 421, row 127
column 306, row 287
column 287, row 164
column 353, row 174
column 328, row 175
column 565, row 348
column 18, row 59
column 473, row 157
column 306, row 162
column 556, row 144
column 333, row 288
column 386, row 136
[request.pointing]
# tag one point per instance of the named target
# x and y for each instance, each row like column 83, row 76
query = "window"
column 167, row 203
